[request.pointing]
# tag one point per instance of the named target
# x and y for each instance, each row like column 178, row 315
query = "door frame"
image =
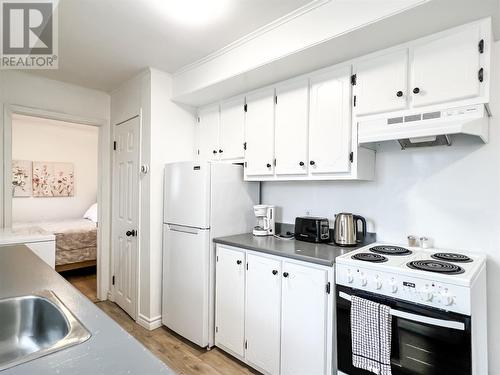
column 139, row 221
column 103, row 188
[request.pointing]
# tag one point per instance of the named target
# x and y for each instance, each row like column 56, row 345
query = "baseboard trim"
column 148, row 323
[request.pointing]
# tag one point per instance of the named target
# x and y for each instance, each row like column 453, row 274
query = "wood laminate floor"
column 180, row 355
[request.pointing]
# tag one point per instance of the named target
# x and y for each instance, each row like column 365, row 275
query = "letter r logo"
column 27, row 28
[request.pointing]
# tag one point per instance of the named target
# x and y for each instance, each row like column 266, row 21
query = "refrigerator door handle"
column 176, row 228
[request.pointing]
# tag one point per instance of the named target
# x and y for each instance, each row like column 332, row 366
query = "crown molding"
column 254, row 34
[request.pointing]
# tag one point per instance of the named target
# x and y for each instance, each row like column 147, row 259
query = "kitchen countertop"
column 110, row 350
column 322, row 253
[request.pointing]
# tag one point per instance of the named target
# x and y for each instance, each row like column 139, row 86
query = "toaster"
column 312, row 229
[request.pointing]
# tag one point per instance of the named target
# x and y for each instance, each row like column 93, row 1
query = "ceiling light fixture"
column 193, row 12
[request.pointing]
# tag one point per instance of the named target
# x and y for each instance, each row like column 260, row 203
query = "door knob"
column 214, row 151
column 220, row 151
column 301, row 163
column 275, row 272
column 238, row 262
column 132, row 233
column 399, row 94
column 285, row 274
column 416, row 90
column 312, row 162
column 268, row 165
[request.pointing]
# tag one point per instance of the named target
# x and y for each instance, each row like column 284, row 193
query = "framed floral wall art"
column 53, row 179
column 21, row 178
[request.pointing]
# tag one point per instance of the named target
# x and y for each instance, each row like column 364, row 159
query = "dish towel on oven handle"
column 371, row 327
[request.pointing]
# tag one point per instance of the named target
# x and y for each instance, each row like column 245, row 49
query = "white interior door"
column 125, row 223
column 304, row 320
column 330, row 122
column 259, row 133
column 185, row 282
column 208, row 133
column 292, row 111
column 263, row 307
column 446, row 69
column 232, row 129
column 230, row 300
column 382, row 83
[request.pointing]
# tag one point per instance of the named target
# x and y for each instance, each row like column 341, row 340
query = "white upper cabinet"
column 381, row 83
column 292, row 101
column 449, row 68
column 230, row 300
column 232, row 129
column 330, row 122
column 263, row 311
column 259, row 132
column 446, row 69
column 208, row 134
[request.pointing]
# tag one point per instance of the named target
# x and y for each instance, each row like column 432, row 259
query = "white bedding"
column 61, row 226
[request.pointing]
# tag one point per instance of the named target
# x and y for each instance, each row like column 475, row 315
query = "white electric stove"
column 440, row 292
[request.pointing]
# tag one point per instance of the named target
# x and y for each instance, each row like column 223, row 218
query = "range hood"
column 423, row 129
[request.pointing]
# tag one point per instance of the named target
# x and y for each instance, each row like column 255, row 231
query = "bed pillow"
column 91, row 213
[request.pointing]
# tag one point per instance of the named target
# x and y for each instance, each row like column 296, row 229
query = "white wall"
column 24, row 89
column 37, row 139
column 167, row 135
column 450, row 194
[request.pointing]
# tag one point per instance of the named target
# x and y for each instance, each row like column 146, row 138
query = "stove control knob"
column 393, row 286
column 448, row 298
column 350, row 277
column 363, row 280
column 377, row 282
column 426, row 294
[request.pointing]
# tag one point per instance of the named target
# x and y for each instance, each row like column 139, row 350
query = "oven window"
column 416, row 348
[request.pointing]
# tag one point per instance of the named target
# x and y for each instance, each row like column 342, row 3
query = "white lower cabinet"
column 230, row 296
column 263, row 310
column 304, row 324
column 284, row 324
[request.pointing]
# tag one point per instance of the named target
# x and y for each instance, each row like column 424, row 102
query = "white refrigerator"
column 202, row 200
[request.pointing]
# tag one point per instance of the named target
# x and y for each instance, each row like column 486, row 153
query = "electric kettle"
column 347, row 231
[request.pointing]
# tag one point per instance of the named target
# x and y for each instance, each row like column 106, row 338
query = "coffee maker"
column 265, row 220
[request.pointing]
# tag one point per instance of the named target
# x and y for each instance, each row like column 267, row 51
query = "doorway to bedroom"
column 54, row 191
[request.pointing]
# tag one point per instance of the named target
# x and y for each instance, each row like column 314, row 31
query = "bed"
column 76, row 242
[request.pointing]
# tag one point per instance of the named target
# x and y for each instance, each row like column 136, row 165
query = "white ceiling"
column 102, row 43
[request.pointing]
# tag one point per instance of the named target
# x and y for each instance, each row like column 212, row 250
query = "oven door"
column 425, row 340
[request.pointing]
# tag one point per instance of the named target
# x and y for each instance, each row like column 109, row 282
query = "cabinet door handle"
column 301, row 163
column 220, row 151
column 214, row 151
column 285, row 274
column 275, row 272
column 416, row 90
column 268, row 165
column 399, row 94
column 312, row 162
column 238, row 262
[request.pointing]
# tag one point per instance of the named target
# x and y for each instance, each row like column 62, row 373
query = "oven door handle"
column 419, row 318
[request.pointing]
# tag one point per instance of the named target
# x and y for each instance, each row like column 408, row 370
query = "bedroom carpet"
column 176, row 352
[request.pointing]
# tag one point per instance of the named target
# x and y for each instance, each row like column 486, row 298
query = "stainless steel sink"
column 35, row 325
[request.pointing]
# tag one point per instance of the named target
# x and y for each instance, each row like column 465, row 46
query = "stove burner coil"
column 369, row 257
column 390, row 250
column 436, row 266
column 452, row 257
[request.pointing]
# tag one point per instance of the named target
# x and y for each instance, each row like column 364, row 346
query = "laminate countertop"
column 322, row 253
column 110, row 350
